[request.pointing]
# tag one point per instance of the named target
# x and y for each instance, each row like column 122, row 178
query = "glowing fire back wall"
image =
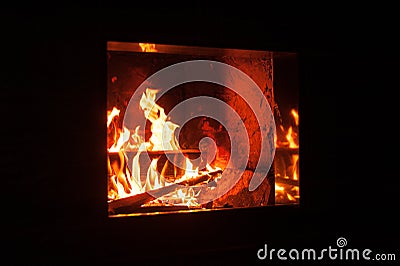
column 196, row 128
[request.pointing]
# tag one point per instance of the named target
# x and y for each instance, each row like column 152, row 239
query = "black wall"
column 54, row 99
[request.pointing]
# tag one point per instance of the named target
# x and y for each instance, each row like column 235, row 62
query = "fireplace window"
column 198, row 128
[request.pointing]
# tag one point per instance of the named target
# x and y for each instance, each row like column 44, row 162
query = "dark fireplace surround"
column 55, row 205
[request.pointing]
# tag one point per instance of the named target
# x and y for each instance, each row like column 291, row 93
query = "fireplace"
column 60, row 210
column 193, row 129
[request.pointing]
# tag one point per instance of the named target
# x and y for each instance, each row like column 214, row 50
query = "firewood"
column 287, row 181
column 132, row 203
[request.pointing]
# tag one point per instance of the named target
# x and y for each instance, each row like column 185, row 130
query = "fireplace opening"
column 197, row 129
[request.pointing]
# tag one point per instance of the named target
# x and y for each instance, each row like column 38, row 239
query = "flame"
column 154, row 179
column 121, row 182
column 209, row 168
column 295, row 116
column 111, row 114
column 278, row 188
column 162, row 137
column 124, row 183
column 295, row 158
column 189, row 171
column 284, row 193
column 148, row 47
column 290, row 136
column 123, row 138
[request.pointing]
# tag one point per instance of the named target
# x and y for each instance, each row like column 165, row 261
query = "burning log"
column 190, row 153
column 132, row 203
column 287, row 150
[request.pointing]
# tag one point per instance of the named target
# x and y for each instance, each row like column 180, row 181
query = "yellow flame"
column 290, row 197
column 162, row 137
column 284, row 192
column 148, row 47
column 290, row 136
column 111, row 114
column 121, row 182
column 295, row 158
column 295, row 116
column 154, row 179
column 278, row 188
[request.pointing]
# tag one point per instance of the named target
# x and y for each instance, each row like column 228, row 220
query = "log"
column 191, row 153
column 132, row 203
column 287, row 150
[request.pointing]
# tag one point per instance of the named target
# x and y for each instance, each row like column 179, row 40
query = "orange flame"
column 284, row 192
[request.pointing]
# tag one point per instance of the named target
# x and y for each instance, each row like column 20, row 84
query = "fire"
column 287, row 191
column 148, row 47
column 123, row 182
column 123, row 138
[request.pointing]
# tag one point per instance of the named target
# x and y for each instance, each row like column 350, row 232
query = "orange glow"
column 148, row 47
